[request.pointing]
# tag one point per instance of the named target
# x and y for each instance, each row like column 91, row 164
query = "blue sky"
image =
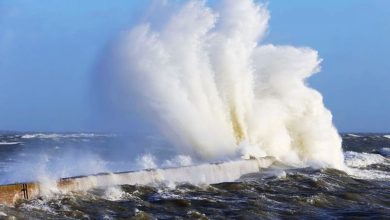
column 50, row 48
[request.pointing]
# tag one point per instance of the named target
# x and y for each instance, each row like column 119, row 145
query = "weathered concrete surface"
column 10, row 194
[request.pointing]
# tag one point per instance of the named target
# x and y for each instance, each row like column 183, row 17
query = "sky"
column 49, row 50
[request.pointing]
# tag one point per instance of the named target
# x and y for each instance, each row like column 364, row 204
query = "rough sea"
column 277, row 192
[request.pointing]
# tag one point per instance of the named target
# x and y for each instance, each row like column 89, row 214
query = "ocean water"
column 279, row 191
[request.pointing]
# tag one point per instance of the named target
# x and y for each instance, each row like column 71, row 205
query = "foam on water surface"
column 355, row 159
column 57, row 136
column 353, row 135
column 358, row 164
column 10, row 143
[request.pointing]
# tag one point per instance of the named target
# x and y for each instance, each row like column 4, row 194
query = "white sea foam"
column 353, row 135
column 357, row 164
column 42, row 136
column 10, row 143
column 368, row 174
column 38, row 204
column 387, row 136
column 178, row 161
column 115, row 193
column 146, row 161
column 57, row 136
column 205, row 80
column 281, row 174
column 355, row 159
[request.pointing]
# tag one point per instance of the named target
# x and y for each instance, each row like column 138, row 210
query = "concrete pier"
column 10, row 194
column 203, row 173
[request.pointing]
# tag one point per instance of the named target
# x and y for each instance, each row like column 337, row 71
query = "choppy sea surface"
column 277, row 192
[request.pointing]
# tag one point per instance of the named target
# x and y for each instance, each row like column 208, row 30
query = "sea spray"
column 203, row 78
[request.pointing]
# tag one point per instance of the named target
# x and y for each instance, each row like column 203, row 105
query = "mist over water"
column 204, row 79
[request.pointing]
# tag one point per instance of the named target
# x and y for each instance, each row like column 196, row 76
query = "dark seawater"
column 277, row 192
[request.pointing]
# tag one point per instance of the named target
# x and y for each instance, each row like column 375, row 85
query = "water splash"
column 214, row 91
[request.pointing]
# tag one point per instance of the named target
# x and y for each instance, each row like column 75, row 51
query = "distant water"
column 275, row 192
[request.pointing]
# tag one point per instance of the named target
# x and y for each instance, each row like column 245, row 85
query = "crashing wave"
column 205, row 80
